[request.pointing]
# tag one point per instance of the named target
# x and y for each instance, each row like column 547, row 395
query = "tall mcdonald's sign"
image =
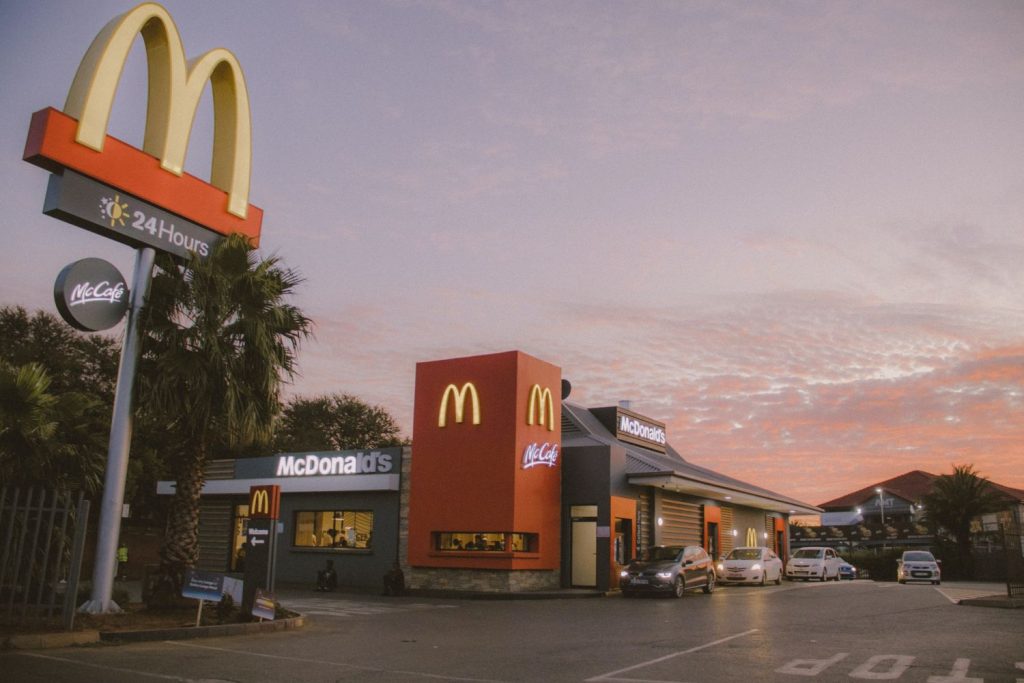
column 77, row 138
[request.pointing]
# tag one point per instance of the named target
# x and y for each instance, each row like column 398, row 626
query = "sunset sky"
column 793, row 231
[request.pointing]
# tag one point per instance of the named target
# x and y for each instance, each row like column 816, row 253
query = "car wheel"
column 710, row 585
column 901, row 581
column 764, row 577
column 824, row 575
column 778, row 579
column 679, row 587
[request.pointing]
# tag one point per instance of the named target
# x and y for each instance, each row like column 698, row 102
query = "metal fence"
column 1013, row 542
column 42, row 536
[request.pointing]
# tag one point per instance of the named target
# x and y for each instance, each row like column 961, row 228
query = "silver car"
column 918, row 565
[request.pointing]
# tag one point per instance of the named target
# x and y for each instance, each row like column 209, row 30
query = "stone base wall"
column 481, row 580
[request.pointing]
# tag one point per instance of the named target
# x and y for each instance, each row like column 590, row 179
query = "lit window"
column 333, row 529
column 493, row 541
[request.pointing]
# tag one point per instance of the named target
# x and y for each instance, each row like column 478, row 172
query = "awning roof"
column 671, row 471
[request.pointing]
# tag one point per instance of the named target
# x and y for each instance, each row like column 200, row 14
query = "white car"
column 813, row 563
column 750, row 565
column 918, row 565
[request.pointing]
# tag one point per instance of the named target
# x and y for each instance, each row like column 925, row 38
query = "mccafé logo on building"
column 540, row 454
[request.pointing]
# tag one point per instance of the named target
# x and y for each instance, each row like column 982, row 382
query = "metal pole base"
column 96, row 607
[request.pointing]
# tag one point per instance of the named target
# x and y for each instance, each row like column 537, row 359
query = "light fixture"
column 734, row 533
column 661, row 521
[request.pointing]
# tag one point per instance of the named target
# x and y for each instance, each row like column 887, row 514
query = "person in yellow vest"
column 122, row 560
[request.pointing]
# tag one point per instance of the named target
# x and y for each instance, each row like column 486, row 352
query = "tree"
column 218, row 341
column 335, row 422
column 83, row 363
column 46, row 439
column 956, row 499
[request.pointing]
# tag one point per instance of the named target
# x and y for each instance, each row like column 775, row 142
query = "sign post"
column 261, row 543
column 115, row 190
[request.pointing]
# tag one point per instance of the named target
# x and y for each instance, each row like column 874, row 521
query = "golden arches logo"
column 175, row 87
column 259, row 503
column 460, row 403
column 539, row 398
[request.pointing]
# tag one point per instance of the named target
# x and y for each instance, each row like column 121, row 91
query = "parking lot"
column 794, row 632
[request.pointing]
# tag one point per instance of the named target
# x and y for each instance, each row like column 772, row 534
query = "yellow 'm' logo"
column 174, row 91
column 460, row 403
column 259, row 504
column 539, row 398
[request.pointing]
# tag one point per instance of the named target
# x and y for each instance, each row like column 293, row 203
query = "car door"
column 775, row 565
column 831, row 563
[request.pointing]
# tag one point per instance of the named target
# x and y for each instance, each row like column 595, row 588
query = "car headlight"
column 720, row 567
column 664, row 575
column 623, row 573
column 755, row 567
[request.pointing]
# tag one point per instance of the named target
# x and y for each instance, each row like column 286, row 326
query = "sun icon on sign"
column 114, row 210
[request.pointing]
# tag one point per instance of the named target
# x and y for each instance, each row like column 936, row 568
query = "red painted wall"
column 469, row 477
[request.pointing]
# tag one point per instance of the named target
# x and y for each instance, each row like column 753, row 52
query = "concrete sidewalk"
column 979, row 594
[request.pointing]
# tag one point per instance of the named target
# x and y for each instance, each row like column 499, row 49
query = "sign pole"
column 120, row 441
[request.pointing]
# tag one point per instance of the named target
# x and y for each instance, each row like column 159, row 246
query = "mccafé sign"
column 545, row 454
column 91, row 295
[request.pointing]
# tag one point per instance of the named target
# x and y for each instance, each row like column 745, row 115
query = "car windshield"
column 745, row 554
column 919, row 556
column 661, row 553
column 809, row 553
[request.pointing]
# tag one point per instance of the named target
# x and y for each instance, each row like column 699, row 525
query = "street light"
column 881, row 502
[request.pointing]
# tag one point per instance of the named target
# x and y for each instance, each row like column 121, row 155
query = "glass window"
column 494, row 541
column 333, row 529
column 238, row 537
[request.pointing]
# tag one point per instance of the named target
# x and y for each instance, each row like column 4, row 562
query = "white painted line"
column 610, row 676
column 327, row 662
column 135, row 672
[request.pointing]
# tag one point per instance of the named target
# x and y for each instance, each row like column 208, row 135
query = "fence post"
column 71, row 593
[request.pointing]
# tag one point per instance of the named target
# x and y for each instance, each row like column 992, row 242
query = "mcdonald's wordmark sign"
column 77, row 137
column 264, row 502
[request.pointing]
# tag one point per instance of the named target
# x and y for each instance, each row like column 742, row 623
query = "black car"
column 672, row 569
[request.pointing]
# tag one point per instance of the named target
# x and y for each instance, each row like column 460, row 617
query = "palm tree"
column 218, row 343
column 957, row 499
column 47, row 439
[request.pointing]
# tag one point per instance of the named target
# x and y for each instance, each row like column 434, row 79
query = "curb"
column 999, row 601
column 118, row 637
column 45, row 641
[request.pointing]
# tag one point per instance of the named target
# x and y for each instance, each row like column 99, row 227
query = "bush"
column 880, row 567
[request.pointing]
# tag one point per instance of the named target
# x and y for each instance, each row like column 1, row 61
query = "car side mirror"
column 687, row 563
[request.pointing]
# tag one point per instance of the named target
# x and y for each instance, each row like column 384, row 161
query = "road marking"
column 307, row 660
column 810, row 667
column 897, row 665
column 958, row 674
column 136, row 672
column 610, row 676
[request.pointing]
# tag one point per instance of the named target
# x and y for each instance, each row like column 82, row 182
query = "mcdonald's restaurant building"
column 506, row 488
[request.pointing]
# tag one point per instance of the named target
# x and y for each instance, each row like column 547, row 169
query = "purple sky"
column 793, row 231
